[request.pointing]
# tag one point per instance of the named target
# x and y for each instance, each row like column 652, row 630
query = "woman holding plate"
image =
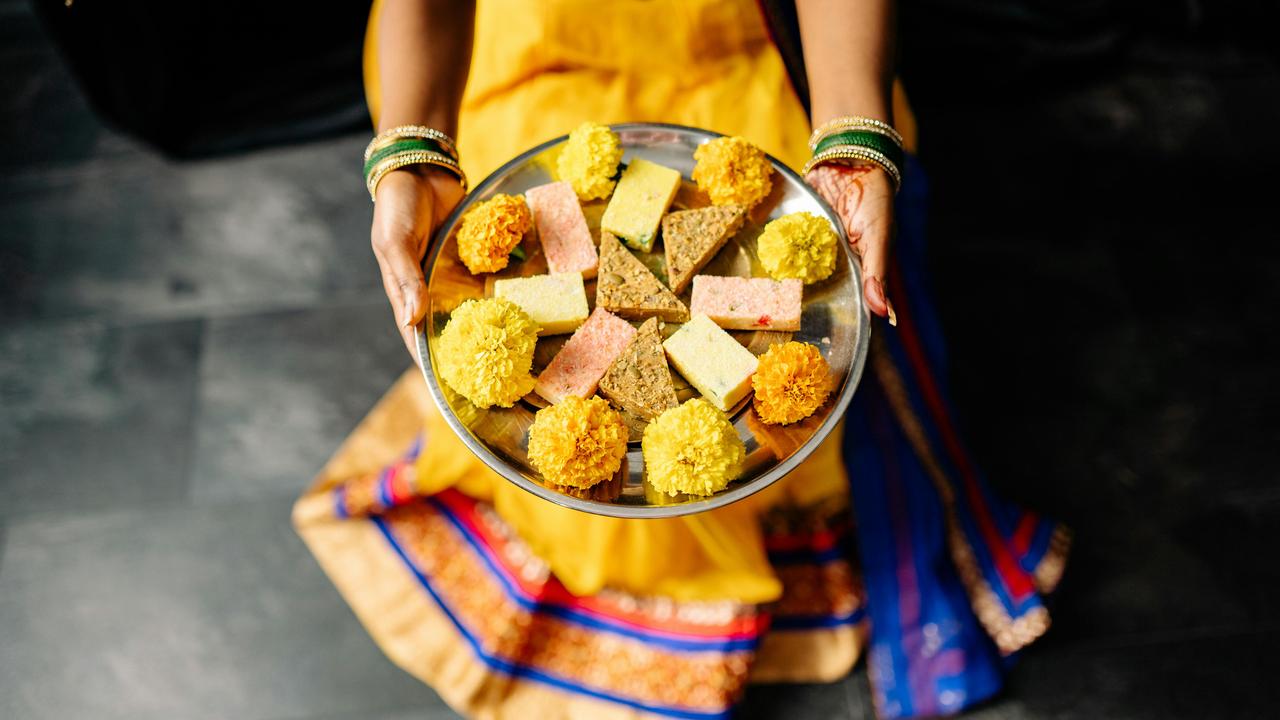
column 511, row 606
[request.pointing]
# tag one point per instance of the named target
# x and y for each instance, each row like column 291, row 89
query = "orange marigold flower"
column 791, row 382
column 731, row 170
column 491, row 230
column 577, row 442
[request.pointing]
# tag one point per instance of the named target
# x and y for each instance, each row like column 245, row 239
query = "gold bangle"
column 390, row 135
column 854, row 121
column 853, row 152
column 416, row 157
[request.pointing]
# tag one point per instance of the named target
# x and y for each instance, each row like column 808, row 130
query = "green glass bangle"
column 405, row 145
column 863, row 138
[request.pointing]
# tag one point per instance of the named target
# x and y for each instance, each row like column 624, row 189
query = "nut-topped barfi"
column 639, row 380
column 691, row 238
column 625, row 286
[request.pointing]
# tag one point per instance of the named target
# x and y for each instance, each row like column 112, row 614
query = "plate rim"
column 639, row 512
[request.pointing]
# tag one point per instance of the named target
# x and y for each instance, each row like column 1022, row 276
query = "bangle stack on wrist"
column 409, row 145
column 858, row 138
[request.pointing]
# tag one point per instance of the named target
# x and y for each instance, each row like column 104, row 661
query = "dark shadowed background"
column 184, row 341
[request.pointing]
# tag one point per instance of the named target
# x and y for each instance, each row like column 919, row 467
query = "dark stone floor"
column 183, row 344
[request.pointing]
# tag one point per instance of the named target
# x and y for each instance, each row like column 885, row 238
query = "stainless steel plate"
column 834, row 319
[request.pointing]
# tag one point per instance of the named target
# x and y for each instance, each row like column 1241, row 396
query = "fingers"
column 875, row 264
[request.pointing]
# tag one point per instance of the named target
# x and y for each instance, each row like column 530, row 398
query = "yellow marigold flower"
column 693, row 449
column 577, row 442
column 589, row 160
column 800, row 245
column 491, row 230
column 792, row 381
column 731, row 170
column 486, row 351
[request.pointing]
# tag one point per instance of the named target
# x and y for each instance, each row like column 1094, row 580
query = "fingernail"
column 893, row 316
column 409, row 306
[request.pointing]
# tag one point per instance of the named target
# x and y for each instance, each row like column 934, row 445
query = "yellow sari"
column 539, row 69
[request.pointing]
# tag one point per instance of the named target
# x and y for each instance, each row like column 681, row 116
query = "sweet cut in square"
column 558, row 303
column 578, row 367
column 713, row 362
column 738, row 303
column 642, row 197
column 562, row 229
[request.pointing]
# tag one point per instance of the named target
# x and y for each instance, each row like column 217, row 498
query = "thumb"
column 404, row 284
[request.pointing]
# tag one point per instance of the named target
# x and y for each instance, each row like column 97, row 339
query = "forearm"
column 848, row 53
column 424, row 52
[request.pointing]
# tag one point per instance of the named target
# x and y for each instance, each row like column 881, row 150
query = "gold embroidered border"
column 601, row 660
column 1010, row 634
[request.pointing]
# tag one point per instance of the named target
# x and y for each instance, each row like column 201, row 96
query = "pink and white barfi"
column 578, row 367
column 738, row 303
column 562, row 229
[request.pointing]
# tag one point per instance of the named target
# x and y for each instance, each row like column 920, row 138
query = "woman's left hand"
column 862, row 195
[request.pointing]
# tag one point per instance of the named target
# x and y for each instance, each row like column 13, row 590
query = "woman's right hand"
column 411, row 204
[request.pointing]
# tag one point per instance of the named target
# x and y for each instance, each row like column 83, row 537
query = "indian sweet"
column 690, row 238
column 712, row 361
column 562, row 229
column 585, row 357
column 641, row 199
column 557, row 302
column 738, row 303
column 625, row 286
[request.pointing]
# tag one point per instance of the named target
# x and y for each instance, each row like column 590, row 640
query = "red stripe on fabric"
column 554, row 592
column 820, row 541
column 1024, row 534
column 1015, row 579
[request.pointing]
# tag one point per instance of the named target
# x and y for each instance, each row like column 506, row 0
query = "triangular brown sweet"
column 639, row 380
column 692, row 237
column 625, row 286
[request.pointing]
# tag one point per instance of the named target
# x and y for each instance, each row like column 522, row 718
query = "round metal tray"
column 834, row 319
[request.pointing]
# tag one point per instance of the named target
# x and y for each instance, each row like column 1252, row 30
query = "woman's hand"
column 862, row 195
column 412, row 202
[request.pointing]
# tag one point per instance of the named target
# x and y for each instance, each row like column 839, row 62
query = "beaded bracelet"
column 858, row 138
column 854, row 121
column 856, row 153
column 407, row 145
column 410, row 131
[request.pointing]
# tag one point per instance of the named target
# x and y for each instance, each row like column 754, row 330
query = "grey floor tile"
column 141, row 236
column 825, row 701
column 208, row 612
column 94, row 415
column 1191, row 678
column 279, row 392
column 420, row 712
